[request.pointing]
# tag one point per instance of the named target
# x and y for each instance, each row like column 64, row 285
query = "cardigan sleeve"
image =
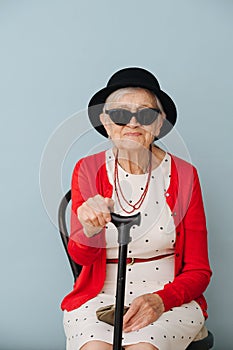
column 83, row 250
column 191, row 256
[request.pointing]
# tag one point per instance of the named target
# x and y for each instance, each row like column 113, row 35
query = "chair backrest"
column 76, row 269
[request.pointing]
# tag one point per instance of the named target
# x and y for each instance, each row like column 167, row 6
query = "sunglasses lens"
column 147, row 116
column 120, row 116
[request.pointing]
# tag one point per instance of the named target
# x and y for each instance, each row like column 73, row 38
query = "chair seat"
column 203, row 344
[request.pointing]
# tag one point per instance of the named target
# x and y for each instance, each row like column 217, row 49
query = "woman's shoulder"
column 181, row 163
column 95, row 157
column 183, row 173
column 92, row 161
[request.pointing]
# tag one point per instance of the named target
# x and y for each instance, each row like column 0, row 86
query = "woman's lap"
column 174, row 330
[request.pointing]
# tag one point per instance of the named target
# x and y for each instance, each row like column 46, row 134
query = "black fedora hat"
column 132, row 77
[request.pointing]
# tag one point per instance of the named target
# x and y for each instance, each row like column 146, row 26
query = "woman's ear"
column 103, row 119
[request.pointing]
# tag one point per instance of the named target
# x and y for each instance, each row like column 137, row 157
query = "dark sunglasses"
column 145, row 116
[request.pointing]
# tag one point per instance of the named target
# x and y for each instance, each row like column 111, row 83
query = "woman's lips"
column 132, row 133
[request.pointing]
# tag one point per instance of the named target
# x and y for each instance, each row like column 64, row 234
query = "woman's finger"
column 110, row 203
column 88, row 217
column 95, row 213
column 91, row 212
column 144, row 310
column 142, row 319
column 132, row 311
column 105, row 206
column 101, row 205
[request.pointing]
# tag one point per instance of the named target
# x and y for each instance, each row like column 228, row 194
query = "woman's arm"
column 89, row 214
column 194, row 274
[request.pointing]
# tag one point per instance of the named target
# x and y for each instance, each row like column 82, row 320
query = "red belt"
column 131, row 261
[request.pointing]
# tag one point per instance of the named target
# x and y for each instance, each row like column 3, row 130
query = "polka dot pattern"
column 171, row 329
column 176, row 328
column 156, row 214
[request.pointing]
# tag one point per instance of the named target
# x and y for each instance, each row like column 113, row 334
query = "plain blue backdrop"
column 54, row 55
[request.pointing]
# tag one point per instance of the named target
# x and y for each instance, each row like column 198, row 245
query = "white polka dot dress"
column 175, row 329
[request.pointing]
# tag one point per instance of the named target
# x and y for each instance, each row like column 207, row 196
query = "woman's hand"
column 144, row 310
column 94, row 214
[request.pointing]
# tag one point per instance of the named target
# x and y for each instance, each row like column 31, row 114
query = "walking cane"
column 123, row 225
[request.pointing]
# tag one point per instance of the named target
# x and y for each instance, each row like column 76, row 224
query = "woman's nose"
column 133, row 121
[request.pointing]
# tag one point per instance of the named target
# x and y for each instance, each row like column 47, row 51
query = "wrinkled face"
column 132, row 135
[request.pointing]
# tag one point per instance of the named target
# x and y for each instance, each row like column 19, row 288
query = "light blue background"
column 54, row 55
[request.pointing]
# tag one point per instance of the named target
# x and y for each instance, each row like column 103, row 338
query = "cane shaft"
column 120, row 297
column 123, row 225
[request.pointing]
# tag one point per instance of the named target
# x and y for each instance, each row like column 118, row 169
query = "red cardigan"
column 192, row 269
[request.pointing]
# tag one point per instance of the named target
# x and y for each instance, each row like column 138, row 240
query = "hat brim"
column 96, row 104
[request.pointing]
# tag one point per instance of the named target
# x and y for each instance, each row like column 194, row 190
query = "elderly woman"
column 168, row 268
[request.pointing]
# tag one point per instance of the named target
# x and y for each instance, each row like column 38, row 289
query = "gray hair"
column 116, row 95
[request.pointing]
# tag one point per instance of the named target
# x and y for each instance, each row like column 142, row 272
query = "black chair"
column 204, row 344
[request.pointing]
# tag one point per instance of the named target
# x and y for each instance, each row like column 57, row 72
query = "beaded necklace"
column 138, row 204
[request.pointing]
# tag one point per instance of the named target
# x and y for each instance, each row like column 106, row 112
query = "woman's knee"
column 96, row 345
column 140, row 346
